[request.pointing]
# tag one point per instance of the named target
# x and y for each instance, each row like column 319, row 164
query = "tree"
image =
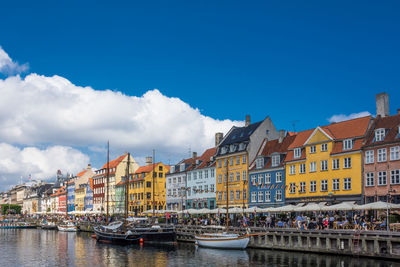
column 14, row 209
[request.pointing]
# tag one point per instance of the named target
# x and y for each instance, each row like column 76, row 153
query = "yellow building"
column 234, row 152
column 146, row 181
column 324, row 164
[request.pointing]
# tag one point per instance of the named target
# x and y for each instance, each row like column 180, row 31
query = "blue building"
column 89, row 196
column 267, row 172
column 71, row 196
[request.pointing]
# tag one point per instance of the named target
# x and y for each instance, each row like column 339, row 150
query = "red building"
column 381, row 153
column 62, row 199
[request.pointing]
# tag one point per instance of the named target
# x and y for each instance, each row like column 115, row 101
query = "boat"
column 223, row 240
column 67, row 227
column 133, row 230
column 48, row 226
column 17, row 225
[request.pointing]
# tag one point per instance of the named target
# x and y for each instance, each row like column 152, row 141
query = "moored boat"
column 222, row 240
column 16, row 225
column 48, row 226
column 68, row 227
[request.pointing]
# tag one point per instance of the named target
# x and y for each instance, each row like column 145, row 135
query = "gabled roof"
column 240, row 134
column 325, row 132
column 390, row 124
column 81, row 173
column 149, row 168
column 114, row 163
column 205, row 158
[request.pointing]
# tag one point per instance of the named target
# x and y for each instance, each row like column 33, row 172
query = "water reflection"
column 32, row 247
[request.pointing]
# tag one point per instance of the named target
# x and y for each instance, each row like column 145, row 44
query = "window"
column 347, row 144
column 232, row 195
column 179, row 179
column 212, row 172
column 244, row 175
column 200, row 174
column 312, row 149
column 394, row 153
column 324, row 165
column 324, row 147
column 261, row 196
column 225, row 178
column 267, row 178
column 231, row 161
column 219, row 178
column 335, row 184
column 292, row 188
column 302, row 168
column 253, row 179
column 278, row 196
column 297, row 153
column 382, row 178
column 189, row 176
column 379, row 135
column 148, row 184
column 219, row 195
column 244, row 159
column 237, row 194
column 260, row 179
column 313, row 166
column 276, row 160
column 369, row 156
column 219, row 163
column 267, row 196
column 382, row 155
column 253, row 196
column 237, row 160
column 244, row 194
column 347, row 184
column 237, row 176
column 225, row 162
column 313, row 186
column 395, row 177
column 278, row 177
column 335, row 164
column 302, row 188
column 347, row 163
column 324, row 185
column 292, row 169
column 259, row 162
column 206, row 174
column 231, row 177
column 369, row 179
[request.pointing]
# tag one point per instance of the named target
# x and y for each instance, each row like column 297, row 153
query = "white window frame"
column 253, row 179
column 379, row 135
column 219, row 178
column 302, row 187
column 313, row 186
column 313, row 166
column 267, row 178
column 259, row 162
column 278, row 177
column 237, row 176
column 292, row 188
column 395, row 177
column 324, row 165
column 238, row 194
column 267, row 196
column 260, row 197
column 324, row 147
column 347, row 163
column 276, row 160
column 237, row 160
column 244, row 175
column 347, row 144
column 382, row 178
column 382, row 157
column 324, row 185
column 260, row 178
column 297, row 152
column 336, row 184
column 395, row 153
column 278, row 195
column 369, row 157
column 335, row 164
column 347, row 184
column 292, row 169
column 253, row 196
column 244, row 159
column 313, row 149
column 302, row 168
column 370, row 179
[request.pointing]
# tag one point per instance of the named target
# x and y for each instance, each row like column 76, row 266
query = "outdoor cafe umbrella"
column 380, row 205
column 344, row 206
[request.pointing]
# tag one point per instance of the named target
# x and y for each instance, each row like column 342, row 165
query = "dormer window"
column 231, row 148
column 223, row 150
column 347, row 144
column 182, row 167
column 276, row 160
column 297, row 153
column 241, row 146
column 379, row 134
column 259, row 162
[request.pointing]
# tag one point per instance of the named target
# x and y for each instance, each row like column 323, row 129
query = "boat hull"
column 225, row 242
column 67, row 228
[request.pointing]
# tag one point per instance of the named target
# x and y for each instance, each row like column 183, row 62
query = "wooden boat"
column 222, row 240
column 68, row 227
column 16, row 225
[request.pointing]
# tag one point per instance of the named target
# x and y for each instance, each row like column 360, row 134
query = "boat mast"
column 126, row 191
column 154, row 160
column 108, row 177
column 227, row 196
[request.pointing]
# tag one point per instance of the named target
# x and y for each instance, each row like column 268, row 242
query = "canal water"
column 32, row 247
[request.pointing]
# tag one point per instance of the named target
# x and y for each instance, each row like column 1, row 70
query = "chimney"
column 89, row 166
column 247, row 120
column 194, row 155
column 218, row 138
column 281, row 135
column 149, row 160
column 382, row 105
column 398, row 111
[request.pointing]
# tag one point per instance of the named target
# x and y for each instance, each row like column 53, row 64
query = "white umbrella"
column 341, row 206
column 218, row 210
column 378, row 206
column 287, row 208
column 235, row 210
column 250, row 210
column 310, row 207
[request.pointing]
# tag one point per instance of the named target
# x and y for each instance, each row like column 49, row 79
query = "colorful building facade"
column 325, row 164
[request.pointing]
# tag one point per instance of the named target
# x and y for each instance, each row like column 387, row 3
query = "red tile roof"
column 205, row 158
column 114, row 163
column 390, row 123
column 81, row 173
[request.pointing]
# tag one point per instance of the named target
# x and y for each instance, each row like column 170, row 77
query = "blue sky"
column 294, row 61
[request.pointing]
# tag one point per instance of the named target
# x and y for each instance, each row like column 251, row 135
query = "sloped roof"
column 114, row 163
column 205, row 158
column 81, row 173
column 240, row 134
column 391, row 124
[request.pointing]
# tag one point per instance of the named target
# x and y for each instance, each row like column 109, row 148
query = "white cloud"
column 40, row 164
column 343, row 117
column 8, row 66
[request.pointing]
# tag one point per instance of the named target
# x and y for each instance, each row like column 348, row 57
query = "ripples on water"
column 32, row 247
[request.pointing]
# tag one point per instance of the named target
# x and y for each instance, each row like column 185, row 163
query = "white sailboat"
column 223, row 240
